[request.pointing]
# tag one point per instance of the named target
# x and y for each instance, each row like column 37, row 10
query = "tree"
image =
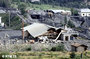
column 22, row 8
column 64, row 3
column 65, row 20
column 5, row 3
column 70, row 24
column 74, row 12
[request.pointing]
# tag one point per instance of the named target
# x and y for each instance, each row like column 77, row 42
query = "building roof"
column 57, row 11
column 85, row 10
column 77, row 45
column 37, row 29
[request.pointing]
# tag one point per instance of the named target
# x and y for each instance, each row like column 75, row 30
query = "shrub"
column 44, row 49
column 71, row 24
column 53, row 49
column 59, row 47
column 77, row 57
column 22, row 8
column 72, row 55
column 51, row 54
column 64, row 58
column 28, row 49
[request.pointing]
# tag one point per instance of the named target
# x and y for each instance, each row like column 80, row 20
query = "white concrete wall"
column 35, row 0
column 0, row 20
column 85, row 14
column 88, row 14
column 65, row 36
column 2, row 24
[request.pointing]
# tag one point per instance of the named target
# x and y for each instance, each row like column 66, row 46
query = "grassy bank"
column 49, row 55
column 39, row 6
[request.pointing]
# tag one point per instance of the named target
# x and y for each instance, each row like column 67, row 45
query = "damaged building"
column 45, row 33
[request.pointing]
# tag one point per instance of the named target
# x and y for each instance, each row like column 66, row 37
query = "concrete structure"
column 1, row 24
column 68, row 34
column 35, row 0
column 0, row 20
column 84, row 12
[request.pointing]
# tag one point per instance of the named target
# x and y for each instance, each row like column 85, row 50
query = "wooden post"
column 22, row 30
column 9, row 18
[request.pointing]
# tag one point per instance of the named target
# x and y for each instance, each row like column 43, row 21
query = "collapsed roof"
column 37, row 29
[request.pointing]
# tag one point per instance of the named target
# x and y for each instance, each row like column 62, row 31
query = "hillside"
column 66, row 3
column 38, row 6
column 62, row 3
column 53, row 3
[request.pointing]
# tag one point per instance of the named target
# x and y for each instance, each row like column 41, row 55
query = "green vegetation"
column 5, row 3
column 62, row 3
column 45, row 7
column 28, row 49
column 5, row 18
column 14, row 21
column 6, row 55
column 38, row 6
column 22, row 8
column 45, row 49
column 65, row 20
column 59, row 47
column 70, row 24
column 42, row 55
column 74, row 12
column 72, row 55
column 66, row 3
column 49, row 55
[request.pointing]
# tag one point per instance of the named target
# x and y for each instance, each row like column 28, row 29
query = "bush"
column 28, row 49
column 64, row 58
column 44, row 49
column 77, row 57
column 70, row 24
column 74, row 12
column 53, row 49
column 72, row 55
column 22, row 8
column 59, row 47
